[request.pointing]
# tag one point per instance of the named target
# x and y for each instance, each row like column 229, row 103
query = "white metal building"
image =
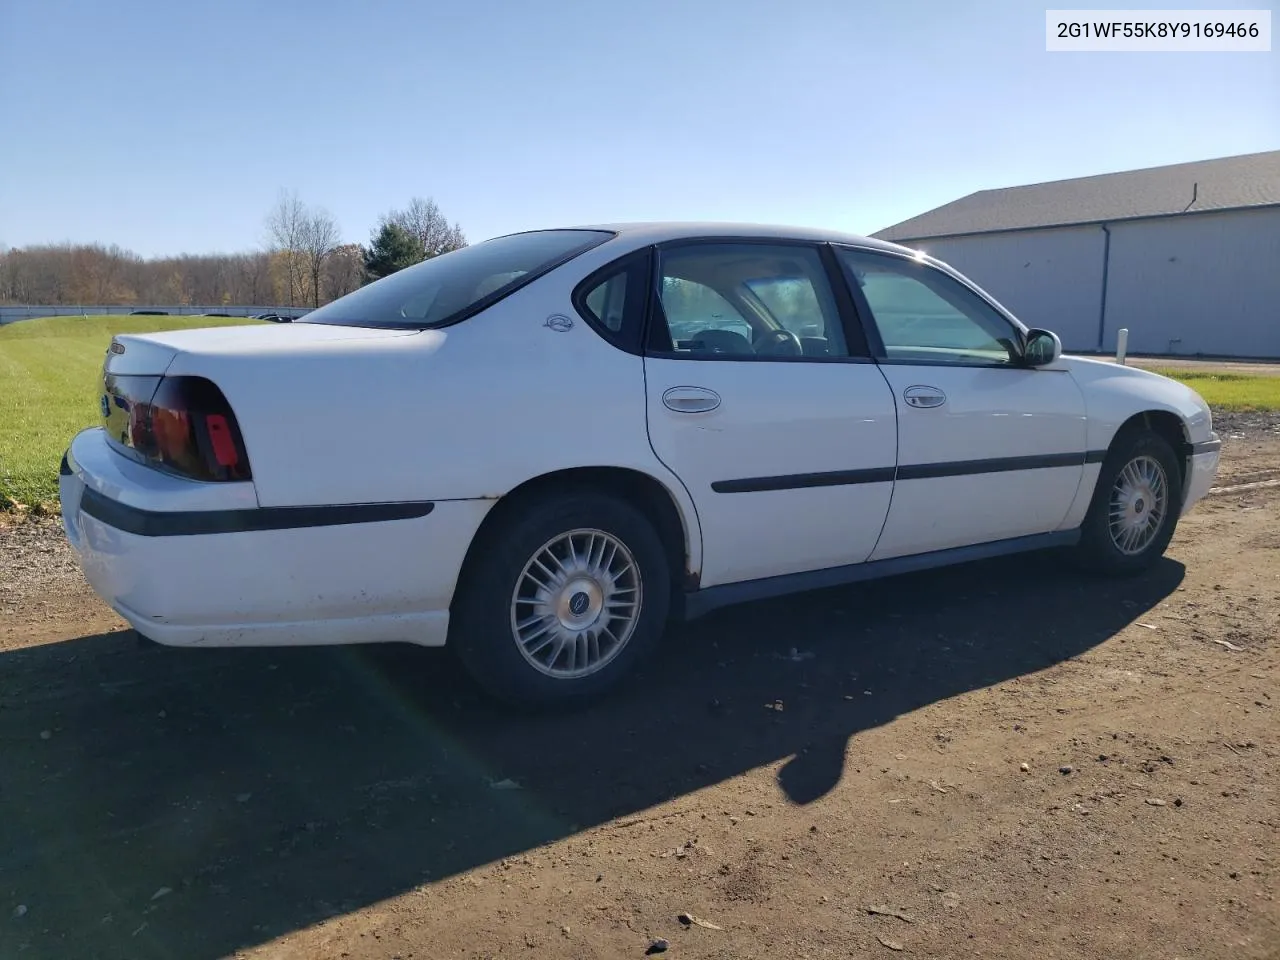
column 1187, row 257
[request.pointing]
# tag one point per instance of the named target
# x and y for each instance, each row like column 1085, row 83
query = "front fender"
column 1114, row 394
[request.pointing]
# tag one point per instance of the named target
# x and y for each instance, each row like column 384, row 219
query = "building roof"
column 1228, row 183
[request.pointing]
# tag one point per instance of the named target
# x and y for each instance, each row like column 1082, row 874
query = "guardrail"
column 8, row 314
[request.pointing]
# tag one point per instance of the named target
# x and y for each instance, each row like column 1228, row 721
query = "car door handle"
column 922, row 396
column 690, row 400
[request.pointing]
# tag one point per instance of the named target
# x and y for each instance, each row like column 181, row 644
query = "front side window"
column 923, row 315
column 750, row 300
column 454, row 285
column 793, row 301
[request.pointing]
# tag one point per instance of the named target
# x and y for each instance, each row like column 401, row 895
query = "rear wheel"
column 562, row 600
column 1135, row 506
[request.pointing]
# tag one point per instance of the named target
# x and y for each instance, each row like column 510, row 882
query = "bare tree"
column 318, row 240
column 344, row 270
column 422, row 218
column 47, row 273
column 286, row 229
column 303, row 264
column 13, row 277
column 252, row 271
column 93, row 274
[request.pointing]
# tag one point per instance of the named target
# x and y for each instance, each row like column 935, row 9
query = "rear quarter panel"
column 469, row 411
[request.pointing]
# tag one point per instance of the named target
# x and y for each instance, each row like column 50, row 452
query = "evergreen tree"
column 392, row 249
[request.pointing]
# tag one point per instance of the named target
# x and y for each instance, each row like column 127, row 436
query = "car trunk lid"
column 150, row 354
column 155, row 411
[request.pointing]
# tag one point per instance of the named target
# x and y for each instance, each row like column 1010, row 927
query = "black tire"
column 482, row 632
column 1098, row 551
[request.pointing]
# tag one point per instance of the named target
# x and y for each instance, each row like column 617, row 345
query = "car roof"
column 660, row 231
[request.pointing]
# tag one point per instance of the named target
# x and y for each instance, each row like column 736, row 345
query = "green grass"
column 50, row 378
column 1229, row 391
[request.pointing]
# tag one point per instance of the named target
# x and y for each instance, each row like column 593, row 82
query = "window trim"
column 489, row 299
column 630, row 339
column 872, row 330
column 856, row 343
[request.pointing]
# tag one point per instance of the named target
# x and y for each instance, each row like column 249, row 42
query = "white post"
column 1122, row 344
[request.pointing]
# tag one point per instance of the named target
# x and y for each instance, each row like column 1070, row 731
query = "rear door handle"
column 923, row 396
column 690, row 400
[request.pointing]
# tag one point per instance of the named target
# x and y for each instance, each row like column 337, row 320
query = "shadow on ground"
column 269, row 789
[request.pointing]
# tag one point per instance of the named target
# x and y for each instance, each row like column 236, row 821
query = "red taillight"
column 171, row 433
column 188, row 427
column 224, row 446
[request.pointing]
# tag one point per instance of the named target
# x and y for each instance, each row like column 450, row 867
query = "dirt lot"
column 778, row 771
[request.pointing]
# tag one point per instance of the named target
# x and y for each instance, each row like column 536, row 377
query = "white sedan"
column 540, row 448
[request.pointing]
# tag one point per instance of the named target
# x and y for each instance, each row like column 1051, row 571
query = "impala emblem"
column 559, row 323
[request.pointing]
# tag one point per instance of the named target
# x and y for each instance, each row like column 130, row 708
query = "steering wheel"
column 780, row 341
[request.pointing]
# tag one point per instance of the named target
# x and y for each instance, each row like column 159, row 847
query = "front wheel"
column 562, row 600
column 1135, row 506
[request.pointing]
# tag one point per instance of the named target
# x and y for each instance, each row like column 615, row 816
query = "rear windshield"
column 455, row 285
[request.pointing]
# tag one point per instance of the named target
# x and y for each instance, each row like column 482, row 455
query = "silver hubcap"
column 576, row 603
column 1139, row 502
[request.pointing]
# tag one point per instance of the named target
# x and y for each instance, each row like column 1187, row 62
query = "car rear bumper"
column 1202, row 468
column 201, row 564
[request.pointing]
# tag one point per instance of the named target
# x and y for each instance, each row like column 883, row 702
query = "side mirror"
column 1043, row 348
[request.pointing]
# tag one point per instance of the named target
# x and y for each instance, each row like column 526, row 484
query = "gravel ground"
column 37, row 568
column 1250, row 425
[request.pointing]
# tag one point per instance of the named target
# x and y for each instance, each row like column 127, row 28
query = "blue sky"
column 169, row 126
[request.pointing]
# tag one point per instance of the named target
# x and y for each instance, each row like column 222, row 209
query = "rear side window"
column 738, row 299
column 613, row 300
column 455, row 285
column 607, row 302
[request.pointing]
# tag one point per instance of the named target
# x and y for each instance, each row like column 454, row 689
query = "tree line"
column 302, row 263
